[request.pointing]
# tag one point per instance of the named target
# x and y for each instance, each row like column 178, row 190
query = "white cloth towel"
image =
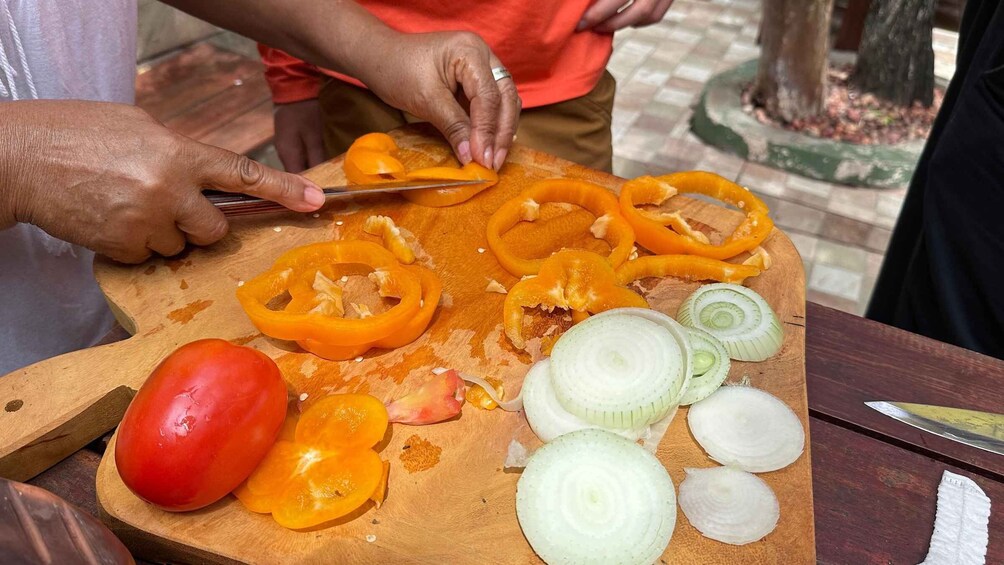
column 960, row 527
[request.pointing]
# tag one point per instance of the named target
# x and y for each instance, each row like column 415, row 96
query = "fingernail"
column 500, row 158
column 488, row 157
column 313, row 196
column 582, row 25
column 464, row 149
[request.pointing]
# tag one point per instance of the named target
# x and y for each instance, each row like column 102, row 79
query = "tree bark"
column 791, row 80
column 896, row 59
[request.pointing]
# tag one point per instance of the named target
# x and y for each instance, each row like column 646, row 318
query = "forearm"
column 17, row 146
column 303, row 28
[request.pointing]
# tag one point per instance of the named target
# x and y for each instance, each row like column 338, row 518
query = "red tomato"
column 200, row 424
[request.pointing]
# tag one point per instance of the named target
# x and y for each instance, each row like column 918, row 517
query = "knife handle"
column 236, row 204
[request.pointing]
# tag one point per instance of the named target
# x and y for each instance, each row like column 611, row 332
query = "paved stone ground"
column 841, row 232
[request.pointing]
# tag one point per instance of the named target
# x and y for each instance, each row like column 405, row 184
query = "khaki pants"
column 577, row 130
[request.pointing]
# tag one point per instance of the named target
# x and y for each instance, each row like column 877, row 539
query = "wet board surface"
column 449, row 500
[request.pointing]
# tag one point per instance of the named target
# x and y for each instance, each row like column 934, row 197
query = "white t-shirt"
column 57, row 49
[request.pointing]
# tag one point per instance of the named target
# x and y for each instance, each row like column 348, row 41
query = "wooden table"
column 874, row 479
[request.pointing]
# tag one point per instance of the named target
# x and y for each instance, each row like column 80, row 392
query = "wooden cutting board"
column 449, row 500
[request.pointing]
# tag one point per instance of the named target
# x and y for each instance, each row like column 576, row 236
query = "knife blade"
column 982, row 430
column 236, row 204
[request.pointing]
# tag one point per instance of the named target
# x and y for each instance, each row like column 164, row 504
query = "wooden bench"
column 211, row 95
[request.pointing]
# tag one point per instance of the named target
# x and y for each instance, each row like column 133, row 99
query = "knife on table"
column 982, row 430
column 235, row 204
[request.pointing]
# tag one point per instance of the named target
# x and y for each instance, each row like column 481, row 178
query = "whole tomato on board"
column 200, row 424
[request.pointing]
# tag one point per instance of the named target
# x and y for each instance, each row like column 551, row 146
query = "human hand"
column 424, row 74
column 607, row 16
column 111, row 178
column 299, row 138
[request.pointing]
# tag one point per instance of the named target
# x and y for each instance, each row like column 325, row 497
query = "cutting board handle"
column 57, row 406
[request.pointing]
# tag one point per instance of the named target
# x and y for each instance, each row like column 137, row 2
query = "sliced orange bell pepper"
column 432, row 290
column 296, row 271
column 440, row 197
column 371, row 160
column 687, row 267
column 388, row 231
column 653, row 234
column 329, row 471
column 580, row 281
column 610, row 224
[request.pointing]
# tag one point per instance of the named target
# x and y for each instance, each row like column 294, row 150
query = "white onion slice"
column 729, row 505
column 618, row 371
column 546, row 416
column 679, row 332
column 593, row 497
column 747, row 428
column 710, row 367
column 739, row 317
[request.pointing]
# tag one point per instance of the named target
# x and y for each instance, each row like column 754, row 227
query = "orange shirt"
column 534, row 39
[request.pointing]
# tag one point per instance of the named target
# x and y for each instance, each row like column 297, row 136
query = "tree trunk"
column 896, row 60
column 791, row 80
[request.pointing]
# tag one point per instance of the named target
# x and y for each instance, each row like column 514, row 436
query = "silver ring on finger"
column 500, row 72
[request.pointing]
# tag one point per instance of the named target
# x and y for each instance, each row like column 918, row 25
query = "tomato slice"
column 343, row 422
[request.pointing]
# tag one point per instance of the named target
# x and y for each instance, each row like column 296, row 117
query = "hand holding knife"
column 235, row 204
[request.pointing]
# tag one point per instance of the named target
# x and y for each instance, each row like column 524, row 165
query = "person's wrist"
column 14, row 163
column 383, row 46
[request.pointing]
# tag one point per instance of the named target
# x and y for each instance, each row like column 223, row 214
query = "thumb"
column 224, row 170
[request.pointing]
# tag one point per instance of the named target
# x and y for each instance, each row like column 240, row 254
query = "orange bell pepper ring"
column 580, row 281
column 652, row 231
column 371, row 159
column 686, row 267
column 432, row 290
column 440, row 197
column 610, row 225
column 328, row 471
column 297, row 271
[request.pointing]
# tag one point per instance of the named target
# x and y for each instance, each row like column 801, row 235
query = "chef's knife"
column 982, row 430
column 235, row 204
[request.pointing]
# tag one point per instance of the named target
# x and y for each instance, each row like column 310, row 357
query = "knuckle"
column 217, row 229
column 131, row 256
column 491, row 96
column 454, row 129
column 251, row 173
column 176, row 249
column 469, row 40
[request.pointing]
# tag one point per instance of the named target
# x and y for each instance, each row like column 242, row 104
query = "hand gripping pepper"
column 305, row 319
column 580, row 281
column 610, row 225
column 687, row 267
column 653, row 234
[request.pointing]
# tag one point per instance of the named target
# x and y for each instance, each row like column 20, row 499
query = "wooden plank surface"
column 174, row 86
column 853, row 360
column 211, row 95
column 462, row 509
column 875, row 502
